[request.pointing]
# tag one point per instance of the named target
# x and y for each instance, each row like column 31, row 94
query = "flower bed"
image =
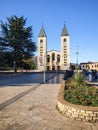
column 78, row 112
column 80, row 92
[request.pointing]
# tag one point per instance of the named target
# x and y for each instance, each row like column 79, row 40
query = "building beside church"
column 89, row 66
column 53, row 59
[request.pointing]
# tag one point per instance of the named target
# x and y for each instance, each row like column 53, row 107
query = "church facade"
column 53, row 59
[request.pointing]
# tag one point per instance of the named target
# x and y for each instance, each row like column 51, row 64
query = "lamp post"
column 56, row 67
column 44, row 68
column 77, row 53
column 14, row 67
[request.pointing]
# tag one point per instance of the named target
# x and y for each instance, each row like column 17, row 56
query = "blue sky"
column 80, row 16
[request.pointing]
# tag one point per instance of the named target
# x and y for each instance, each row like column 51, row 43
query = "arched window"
column 53, row 56
column 58, row 58
column 41, row 42
column 48, row 58
column 64, row 39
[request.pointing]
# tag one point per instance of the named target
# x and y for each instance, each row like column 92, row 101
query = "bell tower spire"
column 65, row 48
column 42, row 32
column 64, row 31
column 42, row 49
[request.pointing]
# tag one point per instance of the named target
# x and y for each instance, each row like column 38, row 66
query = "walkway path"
column 37, row 111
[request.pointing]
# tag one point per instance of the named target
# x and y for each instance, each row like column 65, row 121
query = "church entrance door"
column 48, row 67
column 58, row 67
column 53, row 67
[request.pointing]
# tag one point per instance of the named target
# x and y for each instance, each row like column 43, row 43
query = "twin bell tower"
column 53, row 59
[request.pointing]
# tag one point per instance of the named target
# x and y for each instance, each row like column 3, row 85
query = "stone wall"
column 77, row 112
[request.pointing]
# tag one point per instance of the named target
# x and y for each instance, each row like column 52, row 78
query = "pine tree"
column 18, row 39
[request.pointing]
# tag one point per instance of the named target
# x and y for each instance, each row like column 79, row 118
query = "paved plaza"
column 35, row 109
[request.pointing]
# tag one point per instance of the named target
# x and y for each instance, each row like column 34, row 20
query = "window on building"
column 41, row 52
column 48, row 58
column 65, row 60
column 65, row 64
column 64, row 39
column 65, row 51
column 88, row 67
column 65, row 55
column 41, row 47
column 65, row 47
column 53, row 56
column 58, row 58
column 41, row 42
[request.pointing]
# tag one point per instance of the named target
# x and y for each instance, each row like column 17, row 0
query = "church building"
column 53, row 59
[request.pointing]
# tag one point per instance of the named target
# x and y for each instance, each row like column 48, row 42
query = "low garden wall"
column 77, row 112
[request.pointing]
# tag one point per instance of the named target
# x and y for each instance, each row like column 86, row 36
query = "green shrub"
column 78, row 92
column 77, row 80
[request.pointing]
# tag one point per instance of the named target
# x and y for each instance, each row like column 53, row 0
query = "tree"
column 28, row 64
column 18, row 39
column 2, row 54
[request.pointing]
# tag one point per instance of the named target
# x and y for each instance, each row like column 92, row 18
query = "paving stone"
column 37, row 118
column 37, row 111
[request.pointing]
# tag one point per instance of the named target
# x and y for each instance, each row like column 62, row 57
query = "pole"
column 44, row 69
column 44, row 76
column 56, row 68
column 14, row 68
column 77, row 57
